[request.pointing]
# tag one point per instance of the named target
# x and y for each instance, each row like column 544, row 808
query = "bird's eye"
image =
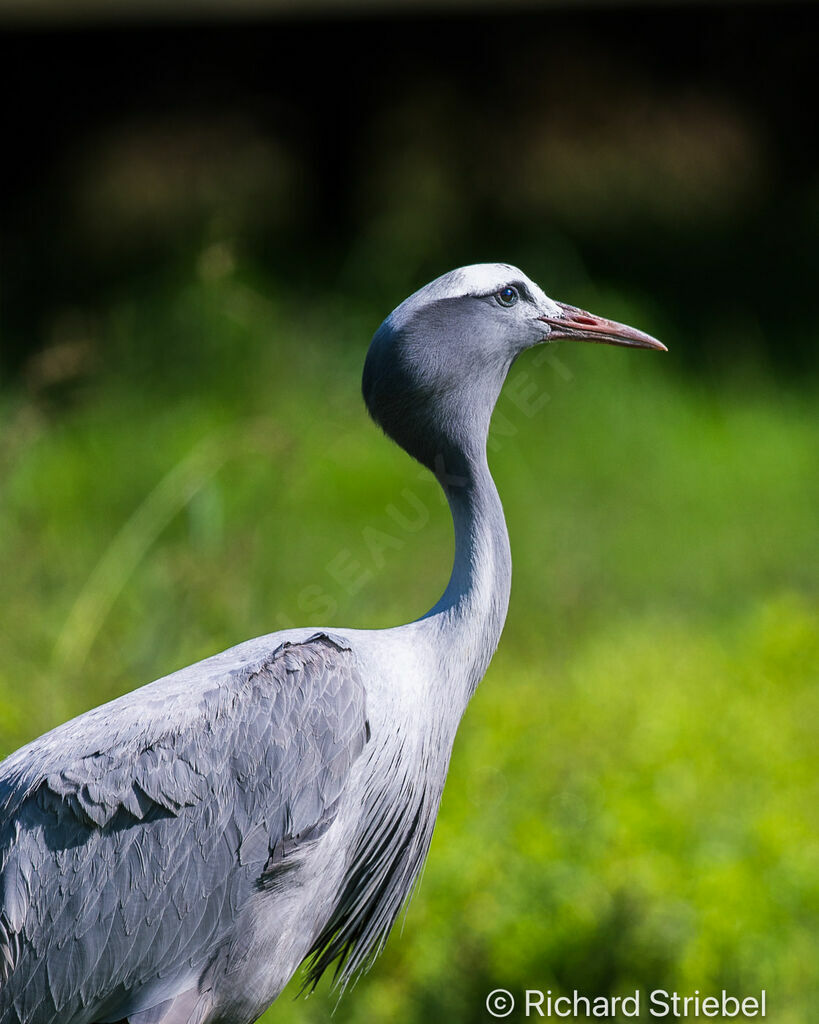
column 507, row 296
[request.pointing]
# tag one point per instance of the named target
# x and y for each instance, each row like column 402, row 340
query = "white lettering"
column 421, row 513
column 526, row 395
column 534, row 1001
column 750, row 1006
column 377, row 543
column 348, row 572
column 631, row 1005
column 578, row 999
column 314, row 600
column 710, row 1006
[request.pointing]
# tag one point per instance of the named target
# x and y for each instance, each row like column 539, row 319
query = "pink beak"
column 577, row 325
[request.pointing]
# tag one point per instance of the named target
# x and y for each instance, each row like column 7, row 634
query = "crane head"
column 437, row 363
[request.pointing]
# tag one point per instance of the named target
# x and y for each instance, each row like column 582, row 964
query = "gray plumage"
column 173, row 856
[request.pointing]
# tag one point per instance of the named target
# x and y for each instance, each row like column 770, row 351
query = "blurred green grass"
column 633, row 796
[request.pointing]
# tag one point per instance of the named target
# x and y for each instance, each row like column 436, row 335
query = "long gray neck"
column 467, row 622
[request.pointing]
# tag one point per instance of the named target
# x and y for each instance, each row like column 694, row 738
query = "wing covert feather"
column 131, row 836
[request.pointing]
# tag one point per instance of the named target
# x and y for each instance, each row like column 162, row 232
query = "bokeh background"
column 206, row 211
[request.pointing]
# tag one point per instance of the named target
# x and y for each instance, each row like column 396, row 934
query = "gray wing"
column 131, row 836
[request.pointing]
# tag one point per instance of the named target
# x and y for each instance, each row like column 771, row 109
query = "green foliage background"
column 633, row 795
